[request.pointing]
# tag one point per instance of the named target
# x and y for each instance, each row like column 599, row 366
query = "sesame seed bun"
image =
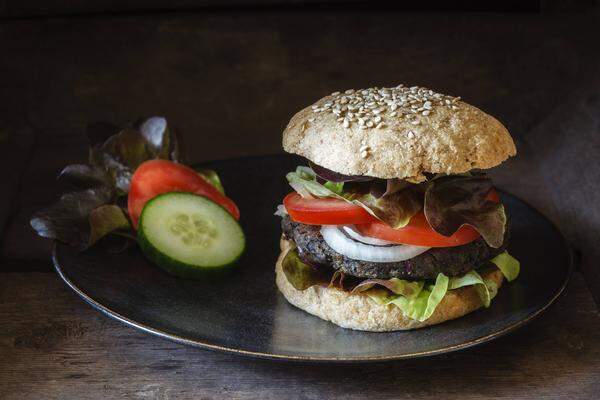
column 400, row 133
column 358, row 311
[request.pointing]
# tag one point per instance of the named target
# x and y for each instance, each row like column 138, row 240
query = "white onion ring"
column 366, row 239
column 338, row 241
column 280, row 211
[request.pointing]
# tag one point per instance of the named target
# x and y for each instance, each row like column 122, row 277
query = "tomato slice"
column 418, row 232
column 155, row 177
column 324, row 211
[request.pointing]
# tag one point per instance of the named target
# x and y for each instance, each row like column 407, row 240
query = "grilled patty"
column 450, row 261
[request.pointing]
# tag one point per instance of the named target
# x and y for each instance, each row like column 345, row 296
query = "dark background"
column 229, row 75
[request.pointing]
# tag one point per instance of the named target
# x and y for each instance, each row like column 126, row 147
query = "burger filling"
column 397, row 242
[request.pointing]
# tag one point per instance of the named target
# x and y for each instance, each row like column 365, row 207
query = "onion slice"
column 338, row 241
column 366, row 239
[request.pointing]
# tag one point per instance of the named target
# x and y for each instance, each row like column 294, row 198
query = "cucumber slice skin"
column 180, row 268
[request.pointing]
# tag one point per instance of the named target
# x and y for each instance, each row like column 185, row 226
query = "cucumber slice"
column 189, row 236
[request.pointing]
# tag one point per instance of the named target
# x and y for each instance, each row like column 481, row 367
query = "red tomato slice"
column 418, row 233
column 324, row 211
column 155, row 177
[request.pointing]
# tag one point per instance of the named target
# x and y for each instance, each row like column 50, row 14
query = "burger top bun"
column 400, row 132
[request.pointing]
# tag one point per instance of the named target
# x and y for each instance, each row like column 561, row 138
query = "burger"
column 393, row 223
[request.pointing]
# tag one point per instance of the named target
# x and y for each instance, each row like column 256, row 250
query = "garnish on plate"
column 126, row 169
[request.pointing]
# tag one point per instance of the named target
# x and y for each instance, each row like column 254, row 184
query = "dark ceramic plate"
column 245, row 314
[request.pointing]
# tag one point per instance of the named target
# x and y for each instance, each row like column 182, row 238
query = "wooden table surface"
column 230, row 81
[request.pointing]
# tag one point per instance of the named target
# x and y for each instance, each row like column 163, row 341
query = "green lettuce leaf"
column 448, row 201
column 301, row 275
column 417, row 300
column 438, row 291
column 397, row 286
column 396, row 208
column 420, row 307
column 212, row 177
column 509, row 265
column 335, row 187
column 457, row 200
column 472, row 278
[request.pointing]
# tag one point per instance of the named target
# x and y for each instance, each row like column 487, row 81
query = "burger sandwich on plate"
column 393, row 223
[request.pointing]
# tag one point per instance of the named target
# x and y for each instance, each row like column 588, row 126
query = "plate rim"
column 321, row 359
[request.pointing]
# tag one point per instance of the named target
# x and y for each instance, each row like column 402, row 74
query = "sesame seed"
column 364, row 154
column 410, row 134
column 370, row 106
column 364, row 148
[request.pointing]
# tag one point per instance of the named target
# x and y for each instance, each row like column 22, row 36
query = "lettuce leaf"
column 397, row 286
column 417, row 300
column 211, row 177
column 304, row 181
column 509, row 265
column 448, row 201
column 82, row 217
column 472, row 278
column 438, row 291
column 396, row 208
column 107, row 219
column 301, row 275
column 422, row 307
column 457, row 200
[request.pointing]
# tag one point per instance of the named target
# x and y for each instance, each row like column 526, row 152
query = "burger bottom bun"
column 358, row 311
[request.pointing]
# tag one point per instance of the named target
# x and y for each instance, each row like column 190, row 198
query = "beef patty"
column 450, row 261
